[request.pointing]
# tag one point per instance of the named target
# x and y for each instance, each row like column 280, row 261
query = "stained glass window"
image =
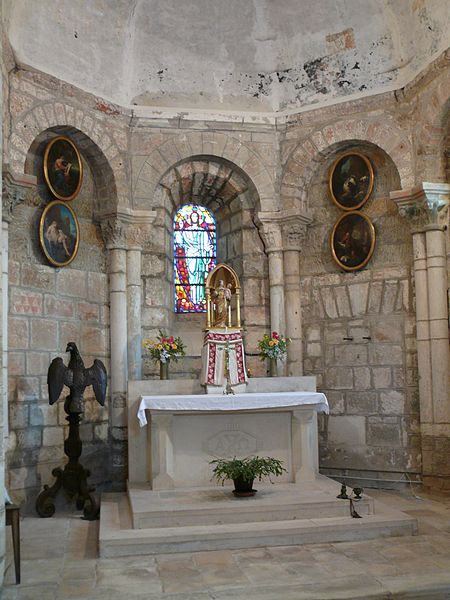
column 194, row 256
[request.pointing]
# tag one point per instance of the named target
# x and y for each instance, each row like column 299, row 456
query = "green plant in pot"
column 243, row 471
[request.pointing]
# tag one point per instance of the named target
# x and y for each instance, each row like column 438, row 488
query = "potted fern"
column 244, row 471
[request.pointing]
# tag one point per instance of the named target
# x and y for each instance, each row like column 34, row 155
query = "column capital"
column 125, row 228
column 271, row 234
column 14, row 190
column 284, row 230
column 425, row 206
column 294, row 231
column 113, row 232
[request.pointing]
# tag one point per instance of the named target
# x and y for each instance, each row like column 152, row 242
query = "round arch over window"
column 194, row 256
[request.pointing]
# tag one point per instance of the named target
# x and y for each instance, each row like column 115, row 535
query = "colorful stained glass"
column 194, row 256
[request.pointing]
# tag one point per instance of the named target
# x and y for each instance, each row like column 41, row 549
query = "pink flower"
column 171, row 340
column 275, row 335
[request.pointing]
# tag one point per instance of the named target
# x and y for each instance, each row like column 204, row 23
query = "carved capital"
column 284, row 230
column 137, row 234
column 126, row 228
column 425, row 205
column 113, row 232
column 14, row 191
column 271, row 234
column 294, row 233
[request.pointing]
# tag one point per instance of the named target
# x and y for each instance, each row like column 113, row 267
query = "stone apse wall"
column 360, row 334
column 251, row 176
column 48, row 308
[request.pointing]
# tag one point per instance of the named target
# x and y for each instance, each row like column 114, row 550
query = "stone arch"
column 223, row 186
column 220, row 186
column 216, row 181
column 102, row 145
column 106, row 197
column 381, row 210
column 302, row 161
column 150, row 170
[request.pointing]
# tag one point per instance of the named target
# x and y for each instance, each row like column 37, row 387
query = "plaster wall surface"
column 257, row 56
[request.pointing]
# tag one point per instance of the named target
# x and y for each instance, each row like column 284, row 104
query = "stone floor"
column 60, row 560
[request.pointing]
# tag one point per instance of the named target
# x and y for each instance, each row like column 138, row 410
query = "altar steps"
column 217, row 506
column 247, row 526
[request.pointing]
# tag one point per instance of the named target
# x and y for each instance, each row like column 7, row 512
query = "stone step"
column 217, row 506
column 117, row 541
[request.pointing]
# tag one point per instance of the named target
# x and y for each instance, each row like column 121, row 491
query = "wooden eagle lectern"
column 73, row 478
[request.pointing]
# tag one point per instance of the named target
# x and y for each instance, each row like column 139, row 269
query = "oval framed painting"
column 59, row 233
column 351, row 180
column 352, row 241
column 63, row 169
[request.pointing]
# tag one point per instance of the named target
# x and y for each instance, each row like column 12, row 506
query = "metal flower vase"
column 273, row 370
column 164, row 370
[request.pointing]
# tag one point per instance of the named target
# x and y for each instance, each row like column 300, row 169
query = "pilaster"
column 14, row 190
column 426, row 209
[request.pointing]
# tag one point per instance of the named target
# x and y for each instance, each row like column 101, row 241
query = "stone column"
column 138, row 232
column 294, row 231
column 124, row 232
column 271, row 232
column 134, row 312
column 438, row 315
column 114, row 234
column 425, row 206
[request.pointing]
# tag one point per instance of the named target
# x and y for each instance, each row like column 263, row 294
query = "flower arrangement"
column 273, row 346
column 165, row 348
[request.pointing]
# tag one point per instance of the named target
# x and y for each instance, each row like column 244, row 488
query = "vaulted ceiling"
column 256, row 55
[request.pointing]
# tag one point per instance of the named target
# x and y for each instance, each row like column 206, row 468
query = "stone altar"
column 188, row 430
column 164, row 513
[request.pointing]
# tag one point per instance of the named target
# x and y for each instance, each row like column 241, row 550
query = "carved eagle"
column 77, row 378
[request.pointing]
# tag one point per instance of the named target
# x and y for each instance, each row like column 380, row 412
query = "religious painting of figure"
column 63, row 169
column 194, row 255
column 351, row 181
column 352, row 241
column 59, row 233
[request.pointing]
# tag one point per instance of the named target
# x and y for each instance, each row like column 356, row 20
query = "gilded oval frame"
column 365, row 249
column 333, row 192
column 47, row 173
column 42, row 222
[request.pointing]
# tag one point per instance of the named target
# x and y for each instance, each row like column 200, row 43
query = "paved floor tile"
column 60, row 562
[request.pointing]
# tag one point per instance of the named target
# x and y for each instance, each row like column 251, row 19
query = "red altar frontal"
column 222, row 349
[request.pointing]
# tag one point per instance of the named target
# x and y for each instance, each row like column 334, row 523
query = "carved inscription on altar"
column 231, row 442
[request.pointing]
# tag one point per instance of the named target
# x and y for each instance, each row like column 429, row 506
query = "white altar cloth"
column 238, row 402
